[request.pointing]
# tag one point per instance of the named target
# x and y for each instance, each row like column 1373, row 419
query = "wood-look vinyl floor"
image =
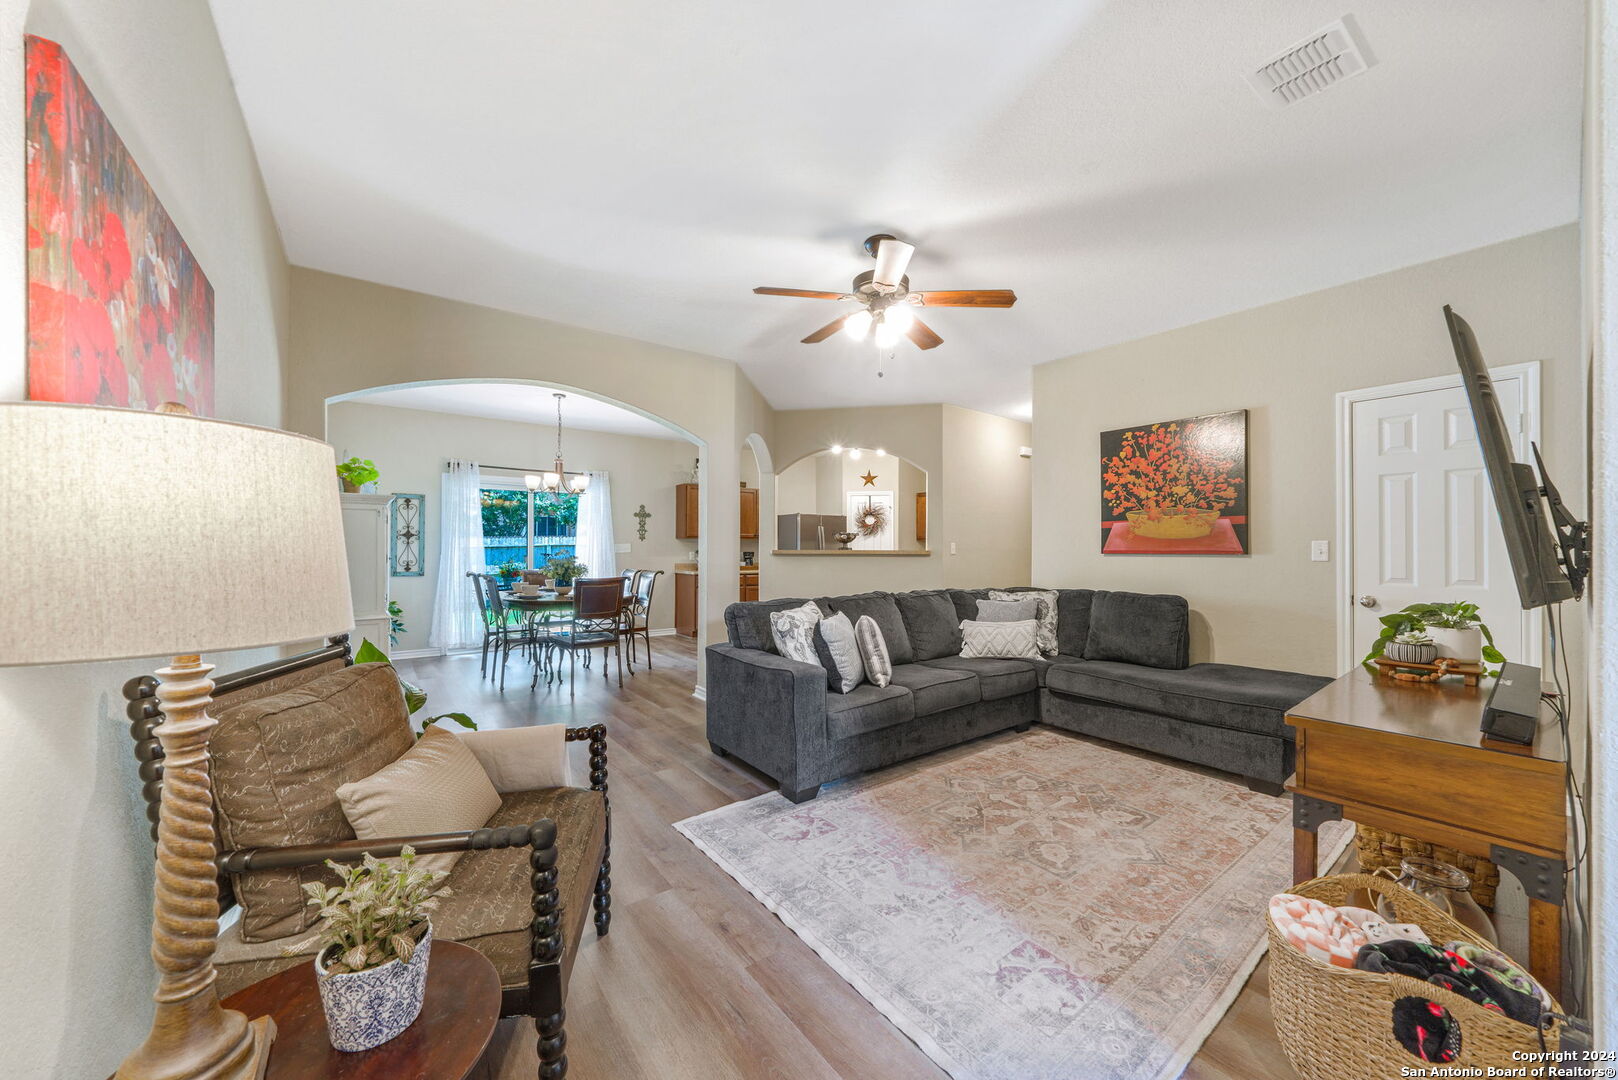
column 697, row 980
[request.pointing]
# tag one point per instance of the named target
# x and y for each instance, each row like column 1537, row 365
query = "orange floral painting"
column 119, row 312
column 1177, row 487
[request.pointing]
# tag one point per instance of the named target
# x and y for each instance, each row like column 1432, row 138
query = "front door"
column 1422, row 520
column 885, row 535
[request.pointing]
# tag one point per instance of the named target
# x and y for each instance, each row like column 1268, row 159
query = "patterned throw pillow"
column 1008, row 640
column 841, row 656
column 794, row 632
column 1047, row 613
column 873, row 651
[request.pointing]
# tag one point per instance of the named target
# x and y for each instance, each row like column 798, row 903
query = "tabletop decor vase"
column 1446, row 887
column 367, row 1008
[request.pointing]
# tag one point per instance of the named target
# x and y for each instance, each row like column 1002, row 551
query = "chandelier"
column 558, row 481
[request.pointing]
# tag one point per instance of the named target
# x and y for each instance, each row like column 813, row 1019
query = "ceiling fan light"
column 857, row 325
column 887, row 335
column 900, row 317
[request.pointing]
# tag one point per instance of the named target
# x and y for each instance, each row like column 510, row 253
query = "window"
column 526, row 527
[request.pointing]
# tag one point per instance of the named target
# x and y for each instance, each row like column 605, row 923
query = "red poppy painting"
column 1176, row 488
column 119, row 312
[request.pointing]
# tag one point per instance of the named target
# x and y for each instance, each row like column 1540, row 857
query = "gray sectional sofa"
column 1122, row 672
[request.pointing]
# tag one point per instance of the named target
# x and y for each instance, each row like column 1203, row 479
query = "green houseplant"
column 565, row 569
column 372, row 950
column 509, row 571
column 1455, row 630
column 355, row 473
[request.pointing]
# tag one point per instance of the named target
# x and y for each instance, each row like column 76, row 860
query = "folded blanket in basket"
column 1453, row 972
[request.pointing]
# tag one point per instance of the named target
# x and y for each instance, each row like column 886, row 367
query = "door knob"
column 1367, row 601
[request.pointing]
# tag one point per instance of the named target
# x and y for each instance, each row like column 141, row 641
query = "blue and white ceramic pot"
column 367, row 1008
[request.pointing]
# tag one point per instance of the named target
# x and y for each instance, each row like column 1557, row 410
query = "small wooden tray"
column 1469, row 672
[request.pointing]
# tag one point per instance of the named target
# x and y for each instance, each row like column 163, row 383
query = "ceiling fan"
column 885, row 300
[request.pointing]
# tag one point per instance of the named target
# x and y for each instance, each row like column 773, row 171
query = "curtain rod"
column 512, row 468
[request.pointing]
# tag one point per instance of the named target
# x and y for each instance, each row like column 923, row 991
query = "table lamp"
column 207, row 536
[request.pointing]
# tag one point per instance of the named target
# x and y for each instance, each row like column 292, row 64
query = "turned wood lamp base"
column 192, row 1037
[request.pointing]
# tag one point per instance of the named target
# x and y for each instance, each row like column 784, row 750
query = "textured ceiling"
column 638, row 167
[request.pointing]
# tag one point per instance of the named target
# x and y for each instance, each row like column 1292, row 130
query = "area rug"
column 1039, row 907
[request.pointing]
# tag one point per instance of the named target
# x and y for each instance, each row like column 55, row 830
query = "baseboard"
column 667, row 631
column 414, row 654
column 700, row 693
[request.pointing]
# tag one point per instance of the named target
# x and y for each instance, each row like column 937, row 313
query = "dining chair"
column 488, row 620
column 597, row 609
column 638, row 615
column 507, row 635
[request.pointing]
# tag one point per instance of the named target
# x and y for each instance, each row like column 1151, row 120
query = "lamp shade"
column 130, row 534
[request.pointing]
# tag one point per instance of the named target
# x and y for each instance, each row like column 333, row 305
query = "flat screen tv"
column 1549, row 568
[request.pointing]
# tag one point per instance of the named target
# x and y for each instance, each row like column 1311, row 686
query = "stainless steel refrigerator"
column 809, row 532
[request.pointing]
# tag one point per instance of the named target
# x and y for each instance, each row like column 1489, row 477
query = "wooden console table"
column 1409, row 757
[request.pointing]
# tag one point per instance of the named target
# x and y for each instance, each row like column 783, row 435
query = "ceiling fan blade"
column 923, row 335
column 813, row 294
column 826, row 331
column 966, row 298
column 892, row 257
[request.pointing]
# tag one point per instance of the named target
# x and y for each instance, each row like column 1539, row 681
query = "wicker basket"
column 1337, row 1023
column 1379, row 847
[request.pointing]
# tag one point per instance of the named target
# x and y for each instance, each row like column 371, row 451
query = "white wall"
column 1284, row 363
column 410, row 447
column 78, row 973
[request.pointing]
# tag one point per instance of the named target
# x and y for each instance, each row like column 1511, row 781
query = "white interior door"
column 888, row 538
column 1421, row 522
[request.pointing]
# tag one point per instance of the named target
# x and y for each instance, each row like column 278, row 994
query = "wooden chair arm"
column 596, row 735
column 245, row 859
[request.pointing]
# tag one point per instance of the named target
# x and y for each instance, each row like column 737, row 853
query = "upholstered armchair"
column 292, row 731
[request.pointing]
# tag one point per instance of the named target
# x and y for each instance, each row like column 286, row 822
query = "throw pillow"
column 1008, row 640
column 277, row 763
column 873, row 651
column 1047, row 614
column 885, row 610
column 931, row 624
column 836, row 637
column 1137, row 628
column 437, row 786
column 793, row 632
column 1008, row 610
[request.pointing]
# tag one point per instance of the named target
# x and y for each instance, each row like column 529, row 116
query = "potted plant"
column 564, row 569
column 1411, row 647
column 372, row 951
column 1454, row 629
column 355, row 473
column 509, row 571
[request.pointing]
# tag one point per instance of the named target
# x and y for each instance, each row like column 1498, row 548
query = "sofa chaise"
column 1121, row 672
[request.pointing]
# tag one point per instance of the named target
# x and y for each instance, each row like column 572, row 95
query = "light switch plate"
column 952, row 550
column 1320, row 550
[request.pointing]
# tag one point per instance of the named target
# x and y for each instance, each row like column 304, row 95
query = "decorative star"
column 870, row 479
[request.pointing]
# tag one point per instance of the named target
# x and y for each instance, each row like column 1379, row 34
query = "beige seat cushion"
column 490, row 907
column 436, row 786
column 277, row 764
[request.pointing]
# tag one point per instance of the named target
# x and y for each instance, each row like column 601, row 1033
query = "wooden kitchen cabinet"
column 748, row 585
column 749, row 513
column 687, row 509
column 685, row 602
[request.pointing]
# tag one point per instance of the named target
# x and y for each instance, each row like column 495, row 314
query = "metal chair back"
column 477, row 589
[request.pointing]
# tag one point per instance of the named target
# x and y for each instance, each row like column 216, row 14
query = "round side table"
column 447, row 1040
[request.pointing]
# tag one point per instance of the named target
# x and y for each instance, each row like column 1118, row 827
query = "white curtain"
column 596, row 549
column 457, row 620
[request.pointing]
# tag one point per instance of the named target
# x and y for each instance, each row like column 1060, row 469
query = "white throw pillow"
column 1008, row 640
column 873, row 651
column 794, row 632
column 1046, row 631
column 436, row 786
column 847, row 669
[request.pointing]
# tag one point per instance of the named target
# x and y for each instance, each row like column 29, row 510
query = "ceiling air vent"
column 1318, row 62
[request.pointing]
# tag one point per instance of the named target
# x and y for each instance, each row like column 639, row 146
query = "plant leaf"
column 459, row 717
column 369, row 653
column 415, row 697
